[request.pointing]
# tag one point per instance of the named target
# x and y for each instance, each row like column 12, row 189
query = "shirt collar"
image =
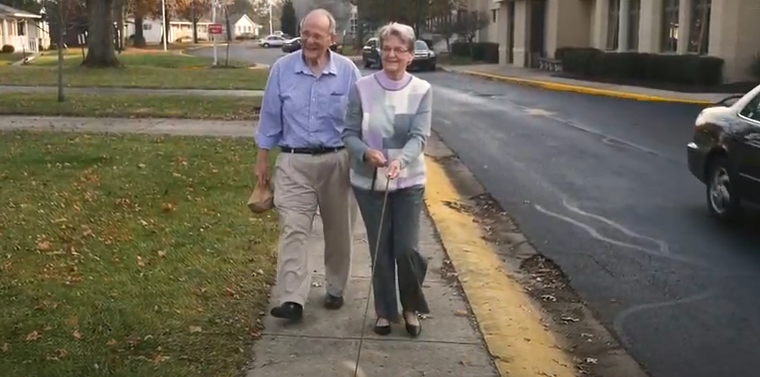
column 330, row 68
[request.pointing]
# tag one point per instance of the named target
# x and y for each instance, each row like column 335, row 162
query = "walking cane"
column 374, row 260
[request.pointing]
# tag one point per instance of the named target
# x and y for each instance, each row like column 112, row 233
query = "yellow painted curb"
column 509, row 321
column 583, row 89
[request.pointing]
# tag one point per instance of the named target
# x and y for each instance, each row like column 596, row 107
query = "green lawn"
column 129, row 256
column 6, row 58
column 131, row 106
column 142, row 69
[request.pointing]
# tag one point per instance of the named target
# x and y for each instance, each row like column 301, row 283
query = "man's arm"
column 420, row 130
column 352, row 132
column 270, row 119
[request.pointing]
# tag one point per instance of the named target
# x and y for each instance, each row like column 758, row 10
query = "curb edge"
column 511, row 324
column 577, row 88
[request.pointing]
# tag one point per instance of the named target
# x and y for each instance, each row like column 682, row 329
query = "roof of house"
column 6, row 11
column 234, row 18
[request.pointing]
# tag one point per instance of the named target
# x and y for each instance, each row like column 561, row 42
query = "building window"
column 613, row 24
column 353, row 25
column 634, row 9
column 670, row 25
column 147, row 26
column 699, row 30
column 493, row 16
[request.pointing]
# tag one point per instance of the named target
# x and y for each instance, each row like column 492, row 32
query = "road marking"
column 511, row 324
column 617, row 323
column 663, row 246
column 594, row 233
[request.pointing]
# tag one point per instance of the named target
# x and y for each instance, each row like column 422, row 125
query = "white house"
column 23, row 30
column 243, row 26
column 178, row 29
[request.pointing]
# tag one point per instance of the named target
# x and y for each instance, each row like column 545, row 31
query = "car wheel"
column 432, row 67
column 722, row 199
column 266, row 45
column 367, row 64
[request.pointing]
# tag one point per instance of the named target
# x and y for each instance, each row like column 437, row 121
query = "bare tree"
column 469, row 25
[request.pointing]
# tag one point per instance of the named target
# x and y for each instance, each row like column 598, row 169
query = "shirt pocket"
column 337, row 105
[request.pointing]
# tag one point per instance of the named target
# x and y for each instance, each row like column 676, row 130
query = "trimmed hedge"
column 677, row 69
column 481, row 51
column 8, row 49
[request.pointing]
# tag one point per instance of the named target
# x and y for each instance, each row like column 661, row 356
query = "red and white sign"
column 215, row 29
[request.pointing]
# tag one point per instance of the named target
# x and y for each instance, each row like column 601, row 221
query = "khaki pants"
column 303, row 183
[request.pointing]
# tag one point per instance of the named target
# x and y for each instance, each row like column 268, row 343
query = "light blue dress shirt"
column 303, row 110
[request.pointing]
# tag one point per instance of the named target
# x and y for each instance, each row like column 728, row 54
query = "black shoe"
column 333, row 302
column 288, row 310
column 382, row 330
column 413, row 330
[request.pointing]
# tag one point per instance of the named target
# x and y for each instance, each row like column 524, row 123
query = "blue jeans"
column 398, row 249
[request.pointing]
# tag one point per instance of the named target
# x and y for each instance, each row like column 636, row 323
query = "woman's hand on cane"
column 394, row 168
column 375, row 158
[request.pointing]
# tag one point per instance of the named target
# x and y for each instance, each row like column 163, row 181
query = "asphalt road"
column 600, row 186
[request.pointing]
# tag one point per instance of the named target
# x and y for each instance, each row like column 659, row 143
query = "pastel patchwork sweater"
column 393, row 117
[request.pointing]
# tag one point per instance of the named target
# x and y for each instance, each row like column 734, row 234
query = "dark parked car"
column 725, row 154
column 424, row 57
column 292, row 45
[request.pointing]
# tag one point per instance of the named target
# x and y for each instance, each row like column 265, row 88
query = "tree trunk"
column 119, row 8
column 100, row 46
column 195, row 21
column 139, row 38
column 167, row 28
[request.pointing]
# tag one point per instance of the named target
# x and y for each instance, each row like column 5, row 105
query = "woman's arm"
column 352, row 133
column 420, row 130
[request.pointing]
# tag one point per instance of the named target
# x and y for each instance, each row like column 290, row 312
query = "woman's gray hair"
column 401, row 31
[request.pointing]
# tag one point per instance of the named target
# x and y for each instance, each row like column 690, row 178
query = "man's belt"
column 311, row 151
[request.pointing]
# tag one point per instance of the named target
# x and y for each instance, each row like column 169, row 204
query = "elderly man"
column 302, row 113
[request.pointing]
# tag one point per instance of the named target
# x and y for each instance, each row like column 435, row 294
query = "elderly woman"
column 387, row 126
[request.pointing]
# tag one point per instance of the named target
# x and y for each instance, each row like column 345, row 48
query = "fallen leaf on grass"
column 43, row 246
column 168, row 207
column 32, row 336
column 5, row 348
column 161, row 253
column 73, row 321
column 140, row 261
column 76, row 334
column 195, row 329
column 112, row 342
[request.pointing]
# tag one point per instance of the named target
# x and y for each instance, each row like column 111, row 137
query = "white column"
column 684, row 26
column 625, row 11
column 601, row 10
column 502, row 30
column 5, row 32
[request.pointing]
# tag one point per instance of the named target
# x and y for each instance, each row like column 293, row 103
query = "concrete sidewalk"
column 144, row 91
column 119, row 125
column 449, row 344
column 544, row 79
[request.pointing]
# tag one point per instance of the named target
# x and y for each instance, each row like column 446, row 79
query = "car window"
column 420, row 46
column 372, row 43
column 752, row 110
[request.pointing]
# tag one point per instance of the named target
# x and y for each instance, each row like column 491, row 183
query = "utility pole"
column 214, row 4
column 271, row 27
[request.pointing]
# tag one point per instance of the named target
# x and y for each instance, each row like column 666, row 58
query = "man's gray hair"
column 325, row 13
column 401, row 31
